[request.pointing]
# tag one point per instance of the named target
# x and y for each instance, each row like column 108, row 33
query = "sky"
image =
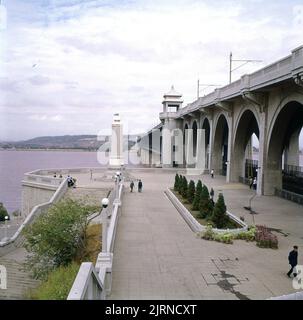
column 67, row 65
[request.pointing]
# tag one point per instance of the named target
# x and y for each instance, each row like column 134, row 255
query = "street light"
column 5, row 225
column 104, row 203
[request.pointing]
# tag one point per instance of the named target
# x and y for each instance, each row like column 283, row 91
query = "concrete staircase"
column 18, row 281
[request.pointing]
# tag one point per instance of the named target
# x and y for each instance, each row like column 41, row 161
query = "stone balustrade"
column 94, row 283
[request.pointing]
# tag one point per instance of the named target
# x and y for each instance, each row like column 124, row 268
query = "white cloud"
column 84, row 62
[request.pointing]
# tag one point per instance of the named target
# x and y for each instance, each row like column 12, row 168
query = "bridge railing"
column 103, row 268
column 17, row 239
column 87, row 285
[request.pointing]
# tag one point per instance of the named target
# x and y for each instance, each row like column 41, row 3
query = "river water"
column 13, row 165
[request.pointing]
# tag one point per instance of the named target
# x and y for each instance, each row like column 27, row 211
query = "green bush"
column 197, row 196
column 184, row 187
column 56, row 237
column 205, row 205
column 176, row 185
column 219, row 216
column 191, row 191
column 209, row 233
column 180, row 184
column 58, row 284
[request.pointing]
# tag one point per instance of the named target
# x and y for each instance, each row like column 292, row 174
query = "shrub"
column 209, row 233
column 184, row 187
column 265, row 239
column 191, row 191
column 180, row 184
column 197, row 196
column 54, row 239
column 176, row 185
column 3, row 212
column 205, row 205
column 219, row 217
column 58, row 284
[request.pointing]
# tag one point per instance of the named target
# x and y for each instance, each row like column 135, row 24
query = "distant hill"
column 84, row 142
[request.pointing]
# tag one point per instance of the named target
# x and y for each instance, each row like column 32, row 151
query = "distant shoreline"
column 42, row 149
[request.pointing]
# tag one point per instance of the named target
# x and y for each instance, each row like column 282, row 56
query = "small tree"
column 56, row 237
column 196, row 201
column 176, row 182
column 219, row 217
column 184, row 187
column 3, row 212
column 205, row 206
column 180, row 184
column 191, row 191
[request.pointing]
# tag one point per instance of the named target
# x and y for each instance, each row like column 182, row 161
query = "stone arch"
column 220, row 144
column 247, row 125
column 243, row 110
column 283, row 136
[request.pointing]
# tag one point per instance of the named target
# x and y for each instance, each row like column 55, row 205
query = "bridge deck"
column 157, row 256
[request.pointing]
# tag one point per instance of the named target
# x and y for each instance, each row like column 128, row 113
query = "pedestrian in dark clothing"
column 251, row 181
column 293, row 261
column 132, row 186
column 212, row 173
column 212, row 193
column 255, row 184
column 140, row 186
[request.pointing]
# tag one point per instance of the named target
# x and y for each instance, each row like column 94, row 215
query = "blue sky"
column 68, row 65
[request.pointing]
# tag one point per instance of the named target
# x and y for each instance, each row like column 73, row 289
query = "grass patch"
column 93, row 244
column 58, row 284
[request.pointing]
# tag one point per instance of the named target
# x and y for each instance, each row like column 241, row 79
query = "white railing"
column 281, row 70
column 12, row 242
column 87, row 285
column 291, row 296
column 103, row 268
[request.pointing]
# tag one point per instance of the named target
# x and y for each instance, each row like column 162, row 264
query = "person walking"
column 293, row 261
column 251, row 181
column 212, row 173
column 140, row 186
column 212, row 193
column 132, row 186
column 255, row 184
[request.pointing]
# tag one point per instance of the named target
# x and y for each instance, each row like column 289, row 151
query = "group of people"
column 71, row 182
column 140, row 186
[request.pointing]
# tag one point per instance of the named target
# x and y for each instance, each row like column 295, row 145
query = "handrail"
column 103, row 267
column 87, row 285
column 36, row 211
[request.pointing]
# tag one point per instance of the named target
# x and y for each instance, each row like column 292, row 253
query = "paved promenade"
column 157, row 256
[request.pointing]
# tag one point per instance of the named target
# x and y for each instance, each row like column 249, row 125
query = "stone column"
column 230, row 147
column 262, row 153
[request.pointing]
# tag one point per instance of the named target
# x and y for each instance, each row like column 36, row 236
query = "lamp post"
column 5, row 226
column 104, row 203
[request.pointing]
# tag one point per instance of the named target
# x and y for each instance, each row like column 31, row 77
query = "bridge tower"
column 172, row 102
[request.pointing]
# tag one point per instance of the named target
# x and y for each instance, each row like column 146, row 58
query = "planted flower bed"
column 265, row 239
